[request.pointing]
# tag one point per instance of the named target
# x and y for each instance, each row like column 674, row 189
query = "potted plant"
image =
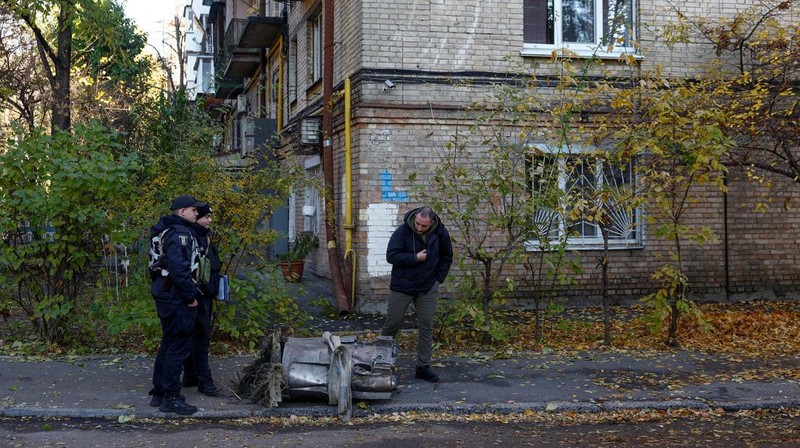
column 293, row 261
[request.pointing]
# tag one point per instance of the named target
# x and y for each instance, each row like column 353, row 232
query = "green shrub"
column 127, row 313
column 259, row 303
column 52, row 229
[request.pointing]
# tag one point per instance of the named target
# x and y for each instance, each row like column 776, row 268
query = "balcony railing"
column 230, row 47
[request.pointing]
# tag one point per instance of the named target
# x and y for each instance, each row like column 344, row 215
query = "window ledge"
column 533, row 246
column 584, row 53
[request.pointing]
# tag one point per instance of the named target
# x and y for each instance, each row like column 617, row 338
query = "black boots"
column 176, row 403
column 204, row 386
column 426, row 373
column 158, row 397
column 208, row 388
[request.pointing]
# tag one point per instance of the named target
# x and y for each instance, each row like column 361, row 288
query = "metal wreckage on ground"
column 337, row 367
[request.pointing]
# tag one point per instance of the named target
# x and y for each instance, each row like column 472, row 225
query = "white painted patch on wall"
column 381, row 223
column 468, row 47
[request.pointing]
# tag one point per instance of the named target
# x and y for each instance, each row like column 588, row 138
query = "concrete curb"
column 330, row 411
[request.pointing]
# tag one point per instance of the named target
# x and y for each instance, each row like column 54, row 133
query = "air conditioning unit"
column 309, row 131
column 241, row 104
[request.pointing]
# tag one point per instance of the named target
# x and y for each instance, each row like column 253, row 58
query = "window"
column 189, row 19
column 315, row 49
column 206, row 75
column 209, row 36
column 292, row 84
column 585, row 27
column 561, row 181
column 312, row 201
column 274, row 85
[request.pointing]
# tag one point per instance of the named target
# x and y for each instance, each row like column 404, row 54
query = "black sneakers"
column 158, row 397
column 155, row 400
column 208, row 388
column 426, row 373
column 176, row 404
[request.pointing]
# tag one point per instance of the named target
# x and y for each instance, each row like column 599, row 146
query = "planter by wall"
column 292, row 270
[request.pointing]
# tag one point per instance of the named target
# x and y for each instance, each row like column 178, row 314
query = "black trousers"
column 196, row 366
column 177, row 331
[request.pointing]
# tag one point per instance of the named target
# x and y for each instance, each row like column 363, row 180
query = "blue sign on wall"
column 387, row 193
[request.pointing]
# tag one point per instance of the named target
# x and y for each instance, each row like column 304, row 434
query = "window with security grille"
column 559, row 182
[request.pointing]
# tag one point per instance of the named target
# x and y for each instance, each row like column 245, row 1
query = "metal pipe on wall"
column 349, row 227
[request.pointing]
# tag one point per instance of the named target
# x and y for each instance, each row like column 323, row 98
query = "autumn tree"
column 676, row 136
column 23, row 87
column 54, row 47
column 109, row 67
column 488, row 183
column 757, row 72
column 75, row 35
column 487, row 212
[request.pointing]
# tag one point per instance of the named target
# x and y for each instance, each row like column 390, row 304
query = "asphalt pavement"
column 590, row 381
column 104, row 387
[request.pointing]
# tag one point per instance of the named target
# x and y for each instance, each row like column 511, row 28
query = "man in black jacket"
column 420, row 253
column 174, row 289
column 196, row 370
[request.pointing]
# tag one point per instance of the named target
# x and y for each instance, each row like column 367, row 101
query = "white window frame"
column 315, row 49
column 594, row 242
column 583, row 50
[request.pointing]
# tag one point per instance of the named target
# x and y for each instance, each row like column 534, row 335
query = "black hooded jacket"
column 408, row 275
column 181, row 250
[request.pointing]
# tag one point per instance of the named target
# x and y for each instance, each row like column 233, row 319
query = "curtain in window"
column 538, row 21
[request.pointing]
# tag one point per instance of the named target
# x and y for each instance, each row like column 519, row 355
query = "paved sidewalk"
column 103, row 387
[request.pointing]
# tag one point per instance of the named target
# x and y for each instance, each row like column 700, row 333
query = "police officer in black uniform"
column 175, row 292
column 196, row 370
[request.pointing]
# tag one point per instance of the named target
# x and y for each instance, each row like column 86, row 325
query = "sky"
column 153, row 17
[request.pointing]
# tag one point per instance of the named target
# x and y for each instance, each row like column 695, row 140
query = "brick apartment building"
column 413, row 66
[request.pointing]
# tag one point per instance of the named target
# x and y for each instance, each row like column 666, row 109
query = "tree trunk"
column 60, row 83
column 539, row 298
column 604, row 289
column 679, row 294
column 487, row 290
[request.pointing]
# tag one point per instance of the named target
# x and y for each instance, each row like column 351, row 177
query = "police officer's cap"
column 185, row 201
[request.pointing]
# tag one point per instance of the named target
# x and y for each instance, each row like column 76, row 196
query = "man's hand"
column 422, row 255
column 193, row 304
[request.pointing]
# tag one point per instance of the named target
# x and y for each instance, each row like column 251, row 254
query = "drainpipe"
column 342, row 304
column 348, row 182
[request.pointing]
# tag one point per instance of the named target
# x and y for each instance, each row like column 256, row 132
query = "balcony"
column 240, row 54
column 261, row 32
column 238, row 62
column 244, row 39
